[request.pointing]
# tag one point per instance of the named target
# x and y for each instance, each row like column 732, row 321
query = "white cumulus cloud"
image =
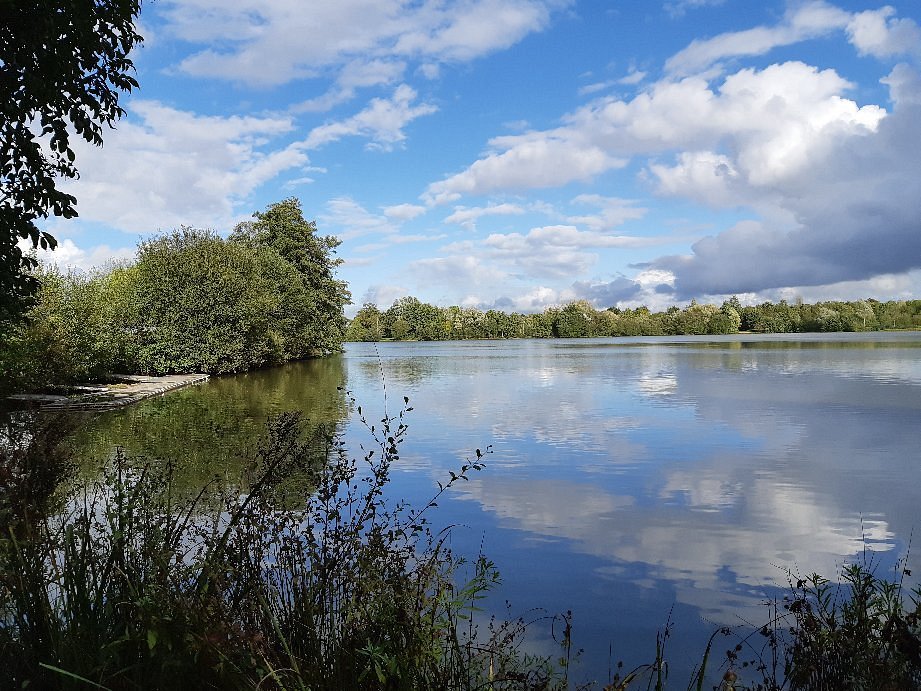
column 404, row 212
column 468, row 216
column 164, row 167
column 272, row 42
column 68, row 255
column 535, row 160
column 382, row 121
column 880, row 34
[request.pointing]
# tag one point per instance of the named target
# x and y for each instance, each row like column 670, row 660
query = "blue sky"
column 523, row 153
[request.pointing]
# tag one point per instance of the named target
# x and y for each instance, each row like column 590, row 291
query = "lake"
column 632, row 481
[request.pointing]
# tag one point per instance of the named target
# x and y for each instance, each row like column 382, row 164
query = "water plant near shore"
column 861, row 632
column 134, row 586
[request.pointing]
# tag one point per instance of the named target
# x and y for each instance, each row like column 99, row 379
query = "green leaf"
column 71, row 675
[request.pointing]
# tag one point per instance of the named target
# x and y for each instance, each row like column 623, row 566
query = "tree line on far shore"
column 410, row 319
column 191, row 301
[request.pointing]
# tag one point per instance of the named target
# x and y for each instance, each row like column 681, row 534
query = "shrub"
column 202, row 304
column 860, row 634
column 64, row 338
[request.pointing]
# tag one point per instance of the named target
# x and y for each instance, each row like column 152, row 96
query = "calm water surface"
column 631, row 479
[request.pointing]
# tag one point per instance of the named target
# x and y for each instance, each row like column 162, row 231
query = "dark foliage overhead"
column 63, row 66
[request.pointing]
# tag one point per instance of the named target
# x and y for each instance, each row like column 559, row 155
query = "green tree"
column 749, row 318
column 117, row 295
column 576, row 320
column 641, row 322
column 518, row 326
column 67, row 336
column 734, row 303
column 698, row 319
column 771, row 318
column 672, row 321
column 454, row 322
column 366, row 325
column 898, row 314
column 472, row 323
column 860, row 316
column 827, row 318
column 726, row 321
column 63, row 65
column 295, row 327
column 203, row 305
column 431, row 323
column 603, row 322
column 397, row 318
column 282, row 228
column 498, row 324
column 400, row 330
column 409, row 318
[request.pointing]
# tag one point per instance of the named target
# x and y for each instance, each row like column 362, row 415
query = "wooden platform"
column 127, row 389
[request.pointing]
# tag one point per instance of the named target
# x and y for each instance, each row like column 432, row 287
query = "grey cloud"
column 506, row 304
column 857, row 215
column 607, row 294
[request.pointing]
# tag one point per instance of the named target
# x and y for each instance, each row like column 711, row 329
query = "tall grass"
column 132, row 586
column 861, row 632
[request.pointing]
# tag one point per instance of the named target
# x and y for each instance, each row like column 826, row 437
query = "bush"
column 860, row 634
column 202, row 305
column 66, row 337
column 192, row 302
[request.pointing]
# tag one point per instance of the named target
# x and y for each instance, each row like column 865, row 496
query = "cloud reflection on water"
column 706, row 469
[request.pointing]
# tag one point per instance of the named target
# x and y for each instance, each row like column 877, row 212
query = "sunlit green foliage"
column 410, row 319
column 365, row 325
column 309, row 312
column 192, row 301
column 203, row 305
column 264, row 296
column 902, row 314
column 68, row 336
column 575, row 321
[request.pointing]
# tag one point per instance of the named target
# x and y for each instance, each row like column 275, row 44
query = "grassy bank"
column 307, row 575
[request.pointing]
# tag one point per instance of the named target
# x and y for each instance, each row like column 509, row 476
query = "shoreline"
column 124, row 390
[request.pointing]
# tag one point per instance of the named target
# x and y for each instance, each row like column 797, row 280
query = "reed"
column 133, row 585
